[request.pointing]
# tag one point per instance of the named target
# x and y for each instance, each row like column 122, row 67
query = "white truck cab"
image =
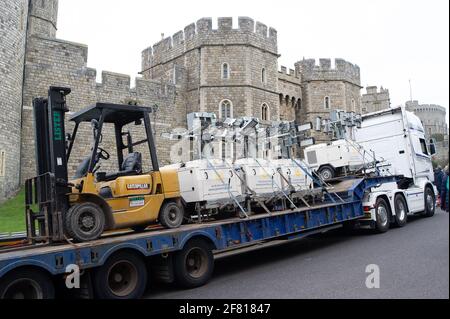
column 395, row 139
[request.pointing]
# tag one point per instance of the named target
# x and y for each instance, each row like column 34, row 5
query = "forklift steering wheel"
column 103, row 154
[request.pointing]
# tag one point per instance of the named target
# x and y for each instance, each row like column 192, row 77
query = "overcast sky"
column 392, row 41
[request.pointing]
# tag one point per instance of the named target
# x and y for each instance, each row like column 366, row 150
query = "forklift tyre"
column 84, row 222
column 171, row 215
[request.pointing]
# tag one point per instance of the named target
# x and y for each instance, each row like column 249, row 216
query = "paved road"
column 413, row 262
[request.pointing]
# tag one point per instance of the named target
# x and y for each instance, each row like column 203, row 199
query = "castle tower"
column 231, row 72
column 375, row 100
column 13, row 25
column 43, row 18
column 327, row 88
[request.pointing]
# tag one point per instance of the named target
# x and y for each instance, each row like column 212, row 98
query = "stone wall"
column 202, row 51
column 51, row 61
column 375, row 100
column 13, row 25
column 290, row 94
column 340, row 85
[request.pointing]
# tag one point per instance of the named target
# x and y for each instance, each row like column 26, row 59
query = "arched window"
column 326, row 102
column 353, row 105
column 299, row 103
column 226, row 109
column 293, row 102
column 225, row 71
column 265, row 112
column 263, row 75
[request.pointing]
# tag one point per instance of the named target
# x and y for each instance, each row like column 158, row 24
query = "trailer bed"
column 222, row 234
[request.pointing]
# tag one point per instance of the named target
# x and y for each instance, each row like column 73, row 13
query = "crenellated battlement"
column 289, row 75
column 202, row 33
column 374, row 90
column 343, row 70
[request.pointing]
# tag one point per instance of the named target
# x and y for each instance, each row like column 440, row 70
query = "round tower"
column 13, row 25
column 43, row 18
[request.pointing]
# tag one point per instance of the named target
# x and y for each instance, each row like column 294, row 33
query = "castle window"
column 225, row 71
column 226, row 109
column 263, row 75
column 293, row 102
column 326, row 102
column 265, row 112
column 299, row 103
column 353, row 105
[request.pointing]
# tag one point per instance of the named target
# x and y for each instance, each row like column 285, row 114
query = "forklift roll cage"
column 119, row 115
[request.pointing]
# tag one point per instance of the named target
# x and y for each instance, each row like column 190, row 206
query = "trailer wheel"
column 194, row 265
column 401, row 213
column 383, row 215
column 85, row 222
column 171, row 215
column 123, row 276
column 326, row 172
column 27, row 283
column 430, row 202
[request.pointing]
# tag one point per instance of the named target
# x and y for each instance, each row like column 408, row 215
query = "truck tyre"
column 430, row 202
column 27, row 283
column 171, row 215
column 194, row 265
column 84, row 222
column 122, row 276
column 401, row 212
column 383, row 215
column 326, row 172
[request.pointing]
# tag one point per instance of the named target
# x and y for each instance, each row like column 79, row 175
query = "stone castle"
column 231, row 72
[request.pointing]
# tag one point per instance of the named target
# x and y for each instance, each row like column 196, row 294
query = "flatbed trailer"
column 184, row 255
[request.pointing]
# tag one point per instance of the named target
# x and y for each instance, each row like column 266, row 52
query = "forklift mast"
column 49, row 189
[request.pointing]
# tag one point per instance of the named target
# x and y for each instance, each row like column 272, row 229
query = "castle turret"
column 231, row 71
column 375, row 100
column 43, row 18
column 13, row 25
column 327, row 88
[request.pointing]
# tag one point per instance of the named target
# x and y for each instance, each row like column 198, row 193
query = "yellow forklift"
column 83, row 207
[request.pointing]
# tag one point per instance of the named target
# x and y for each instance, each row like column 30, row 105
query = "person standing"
column 444, row 190
column 438, row 175
column 447, row 193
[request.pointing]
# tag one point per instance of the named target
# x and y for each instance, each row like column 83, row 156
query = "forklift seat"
column 132, row 165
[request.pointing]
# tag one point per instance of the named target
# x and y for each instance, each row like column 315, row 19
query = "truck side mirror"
column 432, row 147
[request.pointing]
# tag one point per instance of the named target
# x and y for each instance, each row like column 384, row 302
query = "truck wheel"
column 430, row 202
column 123, row 276
column 401, row 213
column 194, row 265
column 85, row 222
column 171, row 215
column 383, row 215
column 27, row 283
column 326, row 172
